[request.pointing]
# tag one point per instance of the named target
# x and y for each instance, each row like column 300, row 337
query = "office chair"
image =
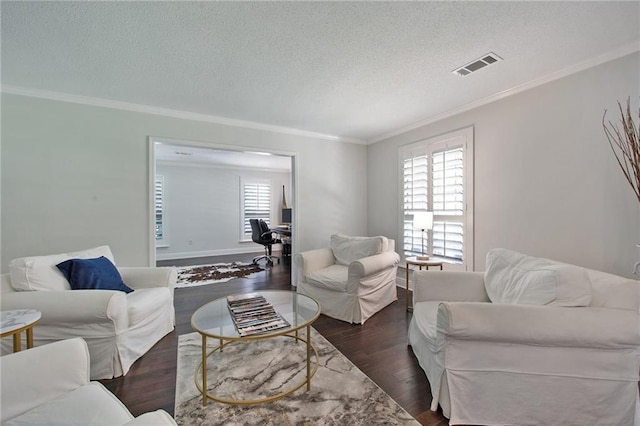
column 261, row 234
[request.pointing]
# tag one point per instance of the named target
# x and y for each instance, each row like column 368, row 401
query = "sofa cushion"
column 348, row 249
column 334, row 277
column 91, row 404
column 515, row 278
column 144, row 301
column 90, row 274
column 41, row 273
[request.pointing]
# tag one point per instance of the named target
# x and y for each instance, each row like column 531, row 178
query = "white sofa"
column 118, row 327
column 49, row 385
column 352, row 279
column 559, row 345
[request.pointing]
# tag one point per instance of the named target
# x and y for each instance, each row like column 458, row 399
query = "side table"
column 413, row 260
column 14, row 322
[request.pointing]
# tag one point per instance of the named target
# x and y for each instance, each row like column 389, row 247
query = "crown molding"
column 166, row 112
column 624, row 50
column 126, row 106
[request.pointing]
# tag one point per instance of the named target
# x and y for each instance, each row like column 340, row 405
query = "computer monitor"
column 286, row 216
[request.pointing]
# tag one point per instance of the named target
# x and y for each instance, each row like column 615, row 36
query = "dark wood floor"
column 379, row 348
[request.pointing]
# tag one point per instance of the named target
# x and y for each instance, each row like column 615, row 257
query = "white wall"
column 546, row 181
column 76, row 176
column 202, row 208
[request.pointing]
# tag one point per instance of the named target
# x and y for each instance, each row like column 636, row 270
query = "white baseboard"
column 207, row 253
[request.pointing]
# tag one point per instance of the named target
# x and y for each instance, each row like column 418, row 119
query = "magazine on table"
column 253, row 314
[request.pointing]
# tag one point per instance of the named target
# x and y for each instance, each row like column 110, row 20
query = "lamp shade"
column 423, row 220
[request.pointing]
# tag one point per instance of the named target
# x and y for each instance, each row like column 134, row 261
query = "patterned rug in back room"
column 192, row 276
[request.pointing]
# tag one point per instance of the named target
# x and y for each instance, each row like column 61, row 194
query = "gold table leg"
column 29, row 338
column 17, row 343
column 409, row 307
column 308, row 358
column 204, row 370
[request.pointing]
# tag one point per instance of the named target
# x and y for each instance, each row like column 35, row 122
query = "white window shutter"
column 433, row 179
column 159, row 209
column 257, row 203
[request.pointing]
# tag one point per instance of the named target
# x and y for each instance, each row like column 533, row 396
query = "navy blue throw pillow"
column 88, row 274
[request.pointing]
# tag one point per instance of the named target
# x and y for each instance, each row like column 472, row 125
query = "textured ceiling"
column 356, row 70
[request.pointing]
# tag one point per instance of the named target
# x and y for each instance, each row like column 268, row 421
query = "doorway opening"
column 201, row 196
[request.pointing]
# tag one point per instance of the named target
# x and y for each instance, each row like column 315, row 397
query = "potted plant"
column 626, row 145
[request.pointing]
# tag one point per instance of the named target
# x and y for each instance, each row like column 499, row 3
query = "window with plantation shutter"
column 436, row 177
column 448, row 203
column 158, row 198
column 256, row 204
column 415, row 197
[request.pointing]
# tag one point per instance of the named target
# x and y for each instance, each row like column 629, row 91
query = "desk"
column 15, row 322
column 285, row 236
column 420, row 263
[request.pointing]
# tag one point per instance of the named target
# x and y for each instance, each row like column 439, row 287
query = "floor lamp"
column 423, row 220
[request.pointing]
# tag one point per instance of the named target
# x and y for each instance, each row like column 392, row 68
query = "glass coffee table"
column 214, row 320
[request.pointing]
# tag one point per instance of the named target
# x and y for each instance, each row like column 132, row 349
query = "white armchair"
column 118, row 327
column 352, row 279
column 558, row 345
column 49, row 385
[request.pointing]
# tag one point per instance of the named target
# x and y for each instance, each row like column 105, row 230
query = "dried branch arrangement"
column 625, row 144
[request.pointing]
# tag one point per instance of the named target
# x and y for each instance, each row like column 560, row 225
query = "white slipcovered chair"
column 49, row 385
column 118, row 327
column 352, row 279
column 529, row 342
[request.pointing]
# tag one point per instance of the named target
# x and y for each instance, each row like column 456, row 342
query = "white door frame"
column 152, row 173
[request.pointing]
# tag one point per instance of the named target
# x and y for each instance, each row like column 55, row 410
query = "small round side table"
column 14, row 322
column 413, row 260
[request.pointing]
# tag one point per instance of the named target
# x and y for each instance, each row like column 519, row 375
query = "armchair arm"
column 312, row 260
column 584, row 327
column 84, row 309
column 450, row 286
column 372, row 264
column 35, row 376
column 146, row 277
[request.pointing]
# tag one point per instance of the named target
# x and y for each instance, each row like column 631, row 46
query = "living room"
column 76, row 155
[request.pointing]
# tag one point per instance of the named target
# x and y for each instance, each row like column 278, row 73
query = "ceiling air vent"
column 488, row 59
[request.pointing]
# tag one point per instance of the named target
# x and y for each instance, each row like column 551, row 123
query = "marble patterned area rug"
column 192, row 276
column 340, row 393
